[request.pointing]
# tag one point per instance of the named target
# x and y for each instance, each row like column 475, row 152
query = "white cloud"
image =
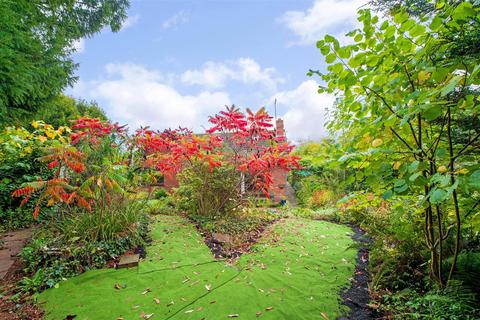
column 130, row 21
column 244, row 70
column 175, row 20
column 306, row 111
column 335, row 17
column 137, row 96
column 79, row 45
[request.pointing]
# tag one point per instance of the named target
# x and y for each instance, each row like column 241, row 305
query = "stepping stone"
column 128, row 261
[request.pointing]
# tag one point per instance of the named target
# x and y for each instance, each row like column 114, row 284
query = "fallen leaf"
column 117, row 286
column 70, row 317
column 148, row 316
column 234, row 315
column 146, row 291
column 170, row 303
column 324, row 316
column 213, row 301
column 199, row 309
column 157, row 301
column 258, row 314
column 268, row 308
column 120, row 318
column 208, row 287
column 189, row 311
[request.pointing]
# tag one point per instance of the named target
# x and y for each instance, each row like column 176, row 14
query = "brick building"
column 279, row 175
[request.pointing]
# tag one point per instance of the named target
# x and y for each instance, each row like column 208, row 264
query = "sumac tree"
column 242, row 147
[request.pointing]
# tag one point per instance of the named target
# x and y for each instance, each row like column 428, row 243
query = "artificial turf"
column 295, row 271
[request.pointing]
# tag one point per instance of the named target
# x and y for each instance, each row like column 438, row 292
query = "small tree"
column 408, row 103
column 87, row 168
column 236, row 146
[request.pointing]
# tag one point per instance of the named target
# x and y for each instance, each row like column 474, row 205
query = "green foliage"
column 77, row 242
column 455, row 302
column 208, row 192
column 37, row 40
column 161, row 193
column 19, row 150
column 320, row 181
column 163, row 205
column 329, row 214
column 240, row 223
column 62, row 110
column 405, row 89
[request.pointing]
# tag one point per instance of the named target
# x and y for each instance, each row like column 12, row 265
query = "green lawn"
column 294, row 272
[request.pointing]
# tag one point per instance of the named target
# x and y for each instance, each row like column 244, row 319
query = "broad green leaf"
column 438, row 196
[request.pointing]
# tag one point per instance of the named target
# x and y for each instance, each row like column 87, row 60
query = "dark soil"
column 19, row 308
column 357, row 296
column 248, row 239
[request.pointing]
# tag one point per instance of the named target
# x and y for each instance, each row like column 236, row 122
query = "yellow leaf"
column 377, row 142
column 442, row 169
column 423, row 76
column 462, row 171
column 35, row 124
column 396, row 165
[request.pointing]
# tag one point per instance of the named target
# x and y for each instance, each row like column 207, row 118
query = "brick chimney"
column 280, row 128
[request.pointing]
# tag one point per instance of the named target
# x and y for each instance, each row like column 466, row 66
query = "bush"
column 208, row 192
column 161, row 193
column 239, row 222
column 82, row 241
column 19, row 150
column 160, row 206
column 455, row 302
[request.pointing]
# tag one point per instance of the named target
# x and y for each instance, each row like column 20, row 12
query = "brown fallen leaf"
column 324, row 316
column 157, row 301
column 146, row 291
column 170, row 303
column 199, row 309
column 70, row 317
column 258, row 314
column 213, row 301
column 148, row 316
column 234, row 315
column 120, row 318
column 117, row 286
column 268, row 308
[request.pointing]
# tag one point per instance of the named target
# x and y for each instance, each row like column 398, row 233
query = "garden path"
column 295, row 271
column 11, row 243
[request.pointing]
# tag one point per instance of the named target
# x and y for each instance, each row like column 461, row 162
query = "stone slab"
column 129, row 261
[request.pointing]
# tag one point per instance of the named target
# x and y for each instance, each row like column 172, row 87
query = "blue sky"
column 176, row 62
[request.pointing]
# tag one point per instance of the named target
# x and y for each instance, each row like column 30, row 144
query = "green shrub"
column 78, row 241
column 160, row 206
column 455, row 302
column 208, row 192
column 161, row 193
column 243, row 221
column 329, row 214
